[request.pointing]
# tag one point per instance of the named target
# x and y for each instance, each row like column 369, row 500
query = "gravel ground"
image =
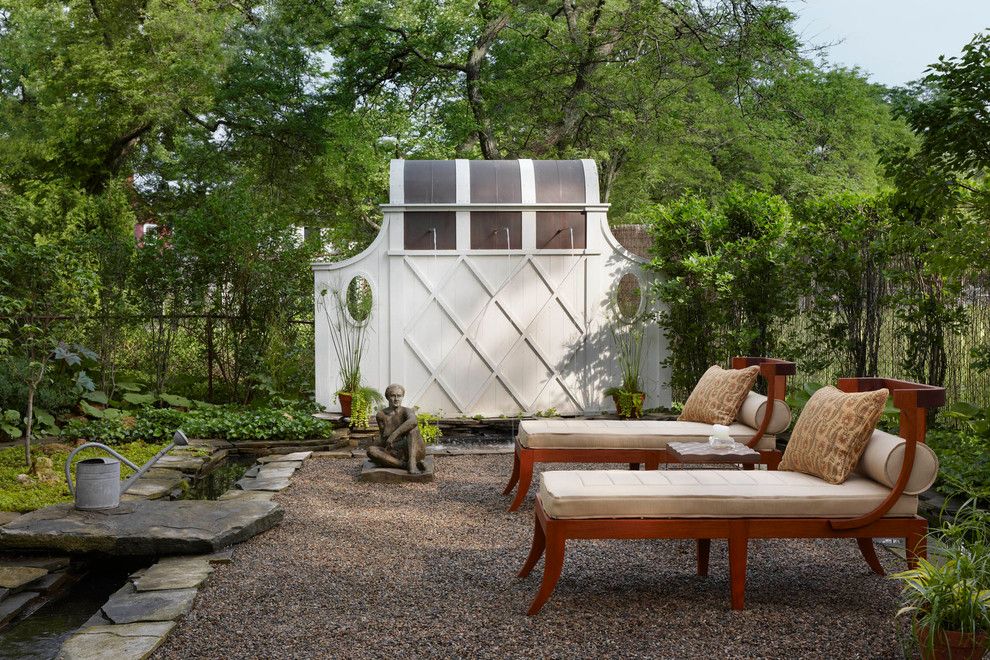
column 428, row 570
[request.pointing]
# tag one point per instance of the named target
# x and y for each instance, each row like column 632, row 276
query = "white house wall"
column 490, row 332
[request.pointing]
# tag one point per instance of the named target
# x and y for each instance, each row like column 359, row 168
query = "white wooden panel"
column 493, row 332
column 396, row 182
column 527, row 178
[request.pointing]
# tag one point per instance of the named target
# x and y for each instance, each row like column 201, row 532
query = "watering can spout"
column 179, row 439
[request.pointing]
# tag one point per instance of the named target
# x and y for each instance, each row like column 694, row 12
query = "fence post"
column 209, row 357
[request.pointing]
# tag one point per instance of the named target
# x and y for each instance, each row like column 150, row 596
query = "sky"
column 891, row 40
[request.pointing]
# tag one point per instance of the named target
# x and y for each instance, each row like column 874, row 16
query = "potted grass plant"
column 628, row 338
column 347, row 316
column 948, row 598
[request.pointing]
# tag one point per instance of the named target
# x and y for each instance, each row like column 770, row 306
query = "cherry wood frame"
column 550, row 535
column 774, row 372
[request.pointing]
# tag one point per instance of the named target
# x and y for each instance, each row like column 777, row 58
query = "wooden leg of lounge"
column 524, row 462
column 514, row 478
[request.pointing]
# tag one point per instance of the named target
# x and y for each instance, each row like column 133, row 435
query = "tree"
column 843, row 245
column 47, row 284
column 725, row 278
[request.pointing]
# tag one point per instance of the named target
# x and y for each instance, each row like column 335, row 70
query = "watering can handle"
column 68, row 461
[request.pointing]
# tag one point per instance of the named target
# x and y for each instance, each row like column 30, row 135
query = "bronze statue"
column 399, row 443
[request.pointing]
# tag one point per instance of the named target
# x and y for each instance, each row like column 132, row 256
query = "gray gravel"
column 360, row 570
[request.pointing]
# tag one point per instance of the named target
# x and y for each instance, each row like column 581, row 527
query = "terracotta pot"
column 637, row 408
column 345, row 403
column 952, row 645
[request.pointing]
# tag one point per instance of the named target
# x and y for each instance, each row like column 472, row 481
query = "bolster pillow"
column 884, row 455
column 753, row 408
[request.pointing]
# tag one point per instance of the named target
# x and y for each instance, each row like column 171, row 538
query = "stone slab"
column 98, row 619
column 295, row 456
column 164, row 473
column 210, row 443
column 174, row 573
column 128, row 605
column 251, row 472
column 225, row 556
column 14, row 577
column 153, row 488
column 275, row 472
column 372, row 473
column 52, row 583
column 295, row 465
column 14, row 605
column 141, row 528
column 134, row 641
column 477, row 451
column 188, row 464
column 8, row 516
column 275, row 484
column 333, row 454
column 260, row 495
column 50, row 563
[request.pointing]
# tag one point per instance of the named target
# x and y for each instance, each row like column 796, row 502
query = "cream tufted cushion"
column 623, row 434
column 884, row 455
column 751, row 413
column 710, row 494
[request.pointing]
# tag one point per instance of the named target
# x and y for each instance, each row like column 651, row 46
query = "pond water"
column 40, row 635
column 220, row 480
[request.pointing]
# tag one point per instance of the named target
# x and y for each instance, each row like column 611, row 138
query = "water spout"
column 433, row 230
column 508, row 243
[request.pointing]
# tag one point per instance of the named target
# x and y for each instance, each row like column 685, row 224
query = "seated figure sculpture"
column 399, row 444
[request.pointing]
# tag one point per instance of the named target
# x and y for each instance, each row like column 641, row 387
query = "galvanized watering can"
column 98, row 483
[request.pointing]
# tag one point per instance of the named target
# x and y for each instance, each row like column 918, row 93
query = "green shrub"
column 221, row 422
column 57, row 396
column 429, row 430
column 964, row 464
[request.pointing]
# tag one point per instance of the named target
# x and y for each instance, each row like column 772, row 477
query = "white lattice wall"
column 490, row 331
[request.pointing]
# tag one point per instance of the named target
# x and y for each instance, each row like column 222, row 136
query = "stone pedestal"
column 373, row 473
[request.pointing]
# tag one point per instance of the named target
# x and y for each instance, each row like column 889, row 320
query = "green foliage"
column 947, row 110
column 363, row 403
column 964, row 464
column 952, row 592
column 843, row 243
column 10, row 424
column 348, row 336
column 629, row 340
column 977, row 418
column 221, row 422
column 37, row 493
column 429, row 427
column 627, row 403
column 726, row 278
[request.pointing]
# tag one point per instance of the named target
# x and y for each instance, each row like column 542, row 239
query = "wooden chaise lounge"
column 878, row 500
column 645, row 441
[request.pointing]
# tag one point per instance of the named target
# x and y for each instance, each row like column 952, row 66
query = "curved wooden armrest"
column 775, row 372
column 913, row 400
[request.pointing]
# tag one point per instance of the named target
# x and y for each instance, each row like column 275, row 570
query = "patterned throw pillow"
column 719, row 395
column 831, row 433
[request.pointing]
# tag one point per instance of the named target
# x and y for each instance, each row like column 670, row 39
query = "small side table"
column 702, row 452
